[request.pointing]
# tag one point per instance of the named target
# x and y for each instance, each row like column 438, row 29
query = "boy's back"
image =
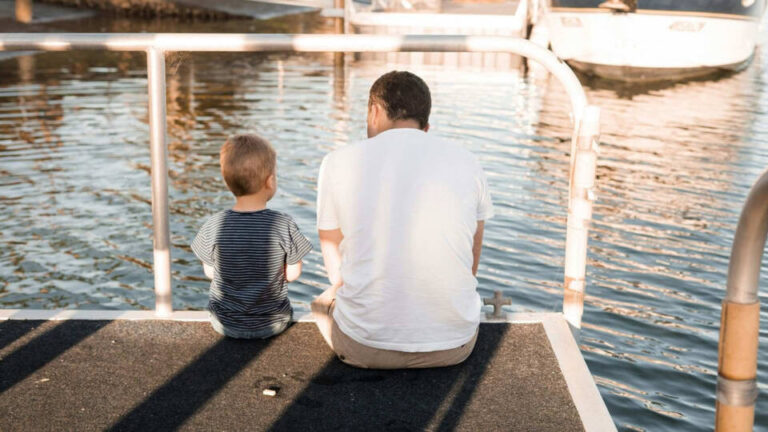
column 249, row 252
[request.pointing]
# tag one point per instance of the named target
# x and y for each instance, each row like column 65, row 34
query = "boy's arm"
column 208, row 270
column 296, row 246
column 329, row 245
column 477, row 246
column 292, row 271
column 203, row 248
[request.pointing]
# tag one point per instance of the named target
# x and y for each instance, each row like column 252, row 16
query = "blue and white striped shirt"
column 249, row 252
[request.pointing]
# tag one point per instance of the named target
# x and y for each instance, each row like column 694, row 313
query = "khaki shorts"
column 356, row 354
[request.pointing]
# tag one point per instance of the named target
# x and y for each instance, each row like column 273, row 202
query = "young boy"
column 250, row 251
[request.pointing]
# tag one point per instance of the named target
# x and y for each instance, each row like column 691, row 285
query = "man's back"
column 407, row 204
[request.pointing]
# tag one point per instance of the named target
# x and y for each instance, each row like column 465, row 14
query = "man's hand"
column 329, row 245
column 477, row 246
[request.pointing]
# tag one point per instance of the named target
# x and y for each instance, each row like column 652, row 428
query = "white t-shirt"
column 407, row 203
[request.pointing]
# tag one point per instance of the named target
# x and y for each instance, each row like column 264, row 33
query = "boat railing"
column 583, row 147
column 740, row 316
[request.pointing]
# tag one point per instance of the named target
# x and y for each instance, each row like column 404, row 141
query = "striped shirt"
column 249, row 252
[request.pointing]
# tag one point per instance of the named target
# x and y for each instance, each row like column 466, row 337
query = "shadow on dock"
column 419, row 400
column 160, row 375
column 176, row 401
column 39, row 351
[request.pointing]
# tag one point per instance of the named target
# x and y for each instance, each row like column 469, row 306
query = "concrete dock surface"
column 162, row 375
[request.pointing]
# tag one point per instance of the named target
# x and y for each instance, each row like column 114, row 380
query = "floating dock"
column 118, row 370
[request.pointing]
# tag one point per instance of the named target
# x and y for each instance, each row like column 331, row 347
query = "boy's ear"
column 272, row 181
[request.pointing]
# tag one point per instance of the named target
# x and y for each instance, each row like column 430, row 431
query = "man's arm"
column 477, row 246
column 329, row 245
column 292, row 271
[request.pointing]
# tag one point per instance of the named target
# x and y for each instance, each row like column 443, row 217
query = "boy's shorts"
column 270, row 331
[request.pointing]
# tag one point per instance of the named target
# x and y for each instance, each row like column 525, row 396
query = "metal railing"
column 583, row 148
column 740, row 317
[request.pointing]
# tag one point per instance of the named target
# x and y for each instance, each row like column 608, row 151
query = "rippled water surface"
column 676, row 162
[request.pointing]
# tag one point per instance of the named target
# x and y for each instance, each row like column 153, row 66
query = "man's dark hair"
column 403, row 95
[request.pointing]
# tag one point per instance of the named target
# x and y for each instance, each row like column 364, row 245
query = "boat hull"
column 632, row 74
column 650, row 45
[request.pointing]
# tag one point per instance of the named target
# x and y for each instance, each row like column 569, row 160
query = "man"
column 400, row 219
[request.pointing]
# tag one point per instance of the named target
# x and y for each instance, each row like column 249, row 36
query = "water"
column 676, row 162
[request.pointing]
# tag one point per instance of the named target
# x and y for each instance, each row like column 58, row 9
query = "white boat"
column 655, row 39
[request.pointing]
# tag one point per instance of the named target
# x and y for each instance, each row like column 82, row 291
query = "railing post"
column 581, row 195
column 24, row 11
column 740, row 317
column 339, row 27
column 159, row 162
column 339, row 22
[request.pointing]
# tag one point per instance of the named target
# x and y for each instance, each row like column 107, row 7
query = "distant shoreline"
column 199, row 9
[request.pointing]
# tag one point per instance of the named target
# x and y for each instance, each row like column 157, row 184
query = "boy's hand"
column 208, row 270
column 292, row 271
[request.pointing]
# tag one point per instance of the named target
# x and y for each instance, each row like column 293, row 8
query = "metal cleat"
column 498, row 300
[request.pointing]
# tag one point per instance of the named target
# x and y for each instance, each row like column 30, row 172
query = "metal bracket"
column 736, row 392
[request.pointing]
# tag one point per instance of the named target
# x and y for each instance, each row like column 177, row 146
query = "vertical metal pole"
column 581, row 195
column 740, row 317
column 339, row 28
column 24, row 11
column 159, row 163
column 338, row 25
column 26, row 68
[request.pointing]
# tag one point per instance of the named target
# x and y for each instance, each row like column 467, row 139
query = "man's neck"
column 405, row 124
column 248, row 203
column 397, row 124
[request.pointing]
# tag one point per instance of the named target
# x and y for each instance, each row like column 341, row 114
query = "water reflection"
column 672, row 178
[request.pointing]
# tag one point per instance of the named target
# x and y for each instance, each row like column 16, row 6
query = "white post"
column 159, row 162
column 581, row 195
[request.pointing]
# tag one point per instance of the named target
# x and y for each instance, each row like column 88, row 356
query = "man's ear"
column 373, row 113
column 426, row 128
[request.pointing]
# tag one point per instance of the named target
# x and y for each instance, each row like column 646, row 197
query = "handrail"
column 234, row 42
column 740, row 316
column 583, row 147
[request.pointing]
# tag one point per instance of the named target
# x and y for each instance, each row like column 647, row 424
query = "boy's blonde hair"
column 246, row 163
